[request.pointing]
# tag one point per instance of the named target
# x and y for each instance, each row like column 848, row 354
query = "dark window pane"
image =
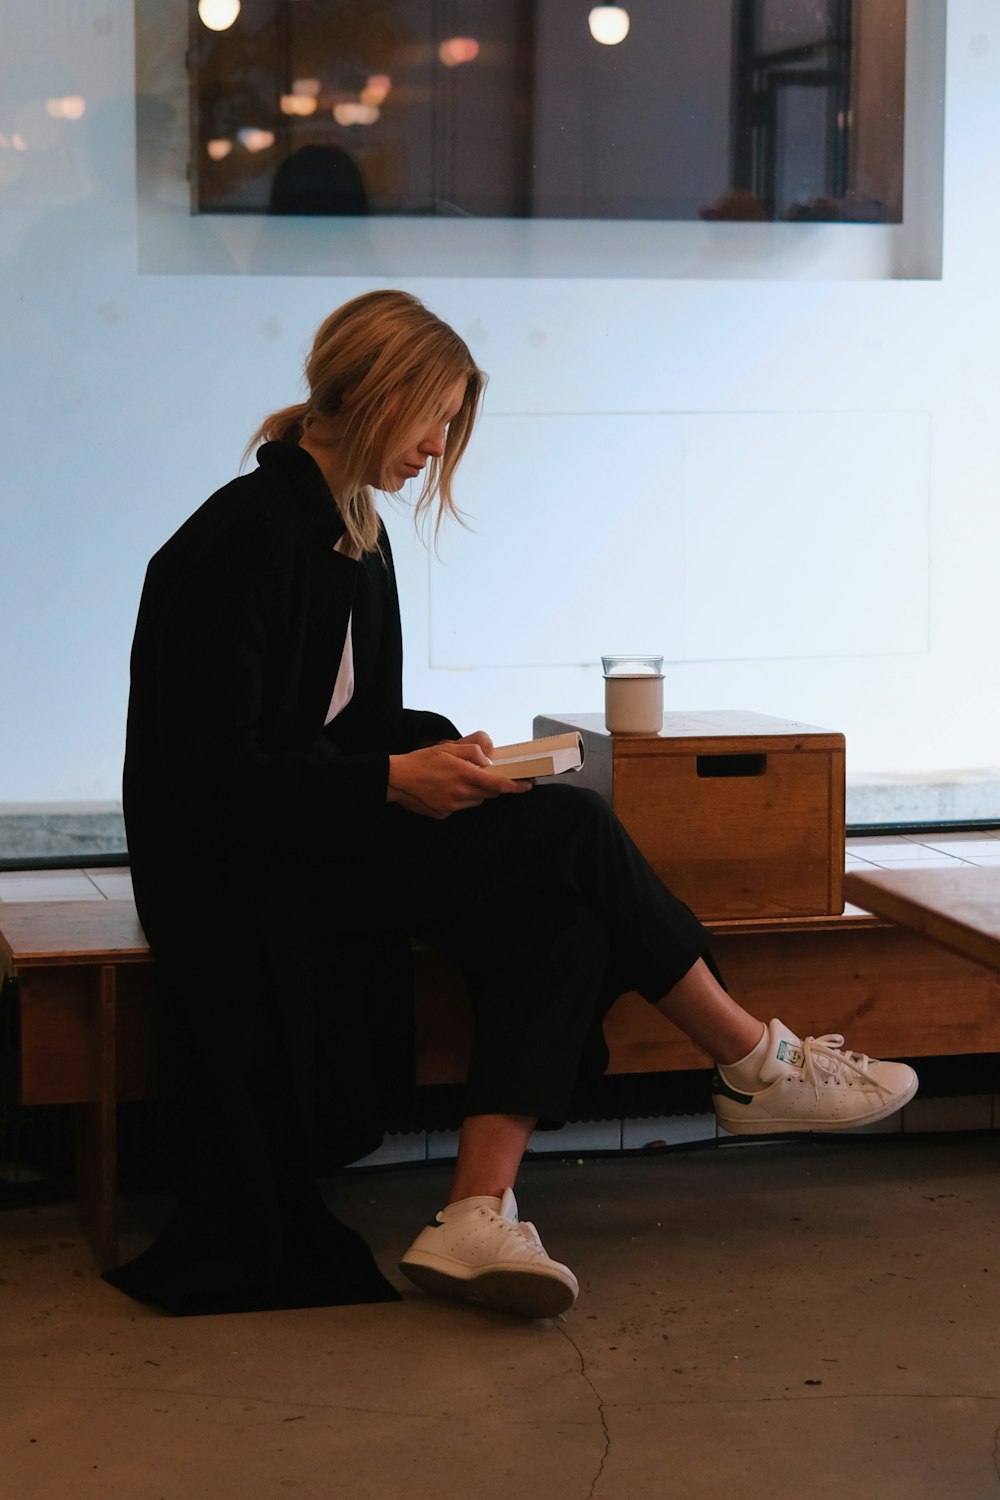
column 511, row 109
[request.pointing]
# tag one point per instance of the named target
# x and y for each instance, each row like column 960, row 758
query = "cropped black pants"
column 550, row 912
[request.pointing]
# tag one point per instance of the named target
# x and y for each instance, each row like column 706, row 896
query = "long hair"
column 379, row 369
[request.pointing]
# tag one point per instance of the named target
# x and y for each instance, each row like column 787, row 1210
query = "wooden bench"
column 85, row 989
column 958, row 907
column 85, row 993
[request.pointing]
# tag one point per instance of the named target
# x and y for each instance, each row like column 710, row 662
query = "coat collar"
column 291, row 466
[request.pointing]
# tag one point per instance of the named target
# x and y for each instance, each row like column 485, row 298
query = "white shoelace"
column 525, row 1231
column 828, row 1052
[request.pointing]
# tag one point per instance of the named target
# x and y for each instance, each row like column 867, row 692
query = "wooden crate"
column 740, row 814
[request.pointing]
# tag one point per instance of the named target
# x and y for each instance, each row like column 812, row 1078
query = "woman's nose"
column 433, row 441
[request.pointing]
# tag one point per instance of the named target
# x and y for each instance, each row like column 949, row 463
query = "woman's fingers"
column 469, row 749
column 445, row 778
column 478, row 737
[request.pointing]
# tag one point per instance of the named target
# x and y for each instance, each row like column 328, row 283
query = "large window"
column 551, row 109
column 776, row 437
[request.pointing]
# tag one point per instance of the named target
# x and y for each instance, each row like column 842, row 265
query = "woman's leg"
column 491, row 1146
column 489, row 1153
column 475, row 1248
column 699, row 1006
column 768, row 1080
column 551, row 911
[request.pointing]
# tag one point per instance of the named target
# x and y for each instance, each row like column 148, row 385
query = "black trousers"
column 550, row 912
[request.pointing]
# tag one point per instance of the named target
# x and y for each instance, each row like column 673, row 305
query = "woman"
column 290, row 824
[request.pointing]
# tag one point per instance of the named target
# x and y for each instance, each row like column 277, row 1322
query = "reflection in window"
column 712, row 109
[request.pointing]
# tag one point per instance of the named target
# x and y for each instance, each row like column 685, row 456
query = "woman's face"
column 397, row 464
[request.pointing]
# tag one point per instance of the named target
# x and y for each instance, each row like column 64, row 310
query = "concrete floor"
column 790, row 1320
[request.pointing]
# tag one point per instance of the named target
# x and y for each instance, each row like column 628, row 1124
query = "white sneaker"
column 490, row 1258
column 814, row 1084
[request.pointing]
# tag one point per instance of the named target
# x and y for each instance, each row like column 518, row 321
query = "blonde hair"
column 380, row 367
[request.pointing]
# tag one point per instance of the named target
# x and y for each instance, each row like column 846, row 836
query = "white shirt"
column 343, row 688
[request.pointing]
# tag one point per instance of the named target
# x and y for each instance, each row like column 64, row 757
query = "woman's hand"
column 447, row 778
column 478, row 737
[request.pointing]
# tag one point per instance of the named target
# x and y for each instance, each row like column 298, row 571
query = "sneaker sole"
column 775, row 1126
column 525, row 1293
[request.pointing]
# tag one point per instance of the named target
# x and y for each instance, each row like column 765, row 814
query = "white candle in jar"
column 633, row 705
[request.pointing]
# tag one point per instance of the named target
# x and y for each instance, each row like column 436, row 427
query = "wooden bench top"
column 959, row 908
column 43, row 934
column 38, row 934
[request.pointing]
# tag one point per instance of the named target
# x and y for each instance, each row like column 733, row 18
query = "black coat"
column 255, row 837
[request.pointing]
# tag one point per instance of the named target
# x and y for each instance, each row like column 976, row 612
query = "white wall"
column 788, row 486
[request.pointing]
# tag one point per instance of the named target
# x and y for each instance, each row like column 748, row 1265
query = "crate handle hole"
column 731, row 765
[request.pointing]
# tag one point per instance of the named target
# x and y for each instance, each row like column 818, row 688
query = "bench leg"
column 96, row 1133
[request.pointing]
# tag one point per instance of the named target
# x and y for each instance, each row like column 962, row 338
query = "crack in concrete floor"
column 600, row 1410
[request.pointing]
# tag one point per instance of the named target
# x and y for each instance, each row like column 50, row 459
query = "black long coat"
column 255, row 837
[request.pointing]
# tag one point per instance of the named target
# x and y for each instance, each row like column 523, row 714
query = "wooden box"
column 740, row 814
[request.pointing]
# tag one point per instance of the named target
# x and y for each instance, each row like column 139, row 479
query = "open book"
column 545, row 757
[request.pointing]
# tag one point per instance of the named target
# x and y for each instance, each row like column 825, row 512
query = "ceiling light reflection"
column 297, row 104
column 307, row 86
column 218, row 15
column 219, row 150
column 347, row 113
column 458, row 49
column 255, row 139
column 376, row 89
column 609, row 24
column 71, row 108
